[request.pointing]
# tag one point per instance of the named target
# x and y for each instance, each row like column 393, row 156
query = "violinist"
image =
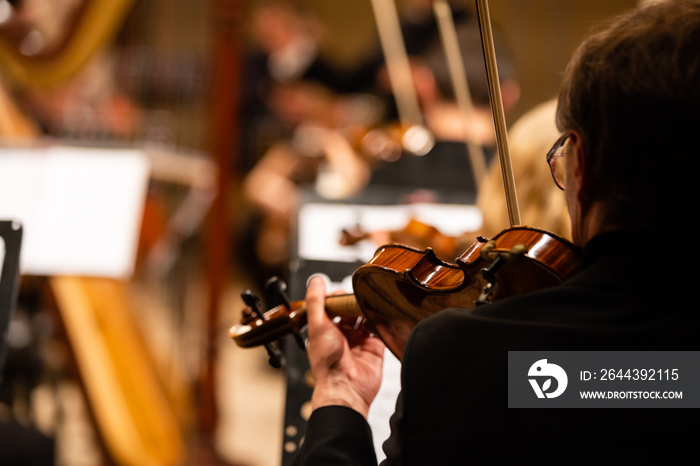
column 628, row 109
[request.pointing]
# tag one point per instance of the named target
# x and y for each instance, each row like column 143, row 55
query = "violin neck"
column 343, row 306
column 280, row 321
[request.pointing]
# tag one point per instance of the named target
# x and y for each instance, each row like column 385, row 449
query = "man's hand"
column 347, row 369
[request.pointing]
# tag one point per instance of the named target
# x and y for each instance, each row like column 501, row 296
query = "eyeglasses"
column 555, row 159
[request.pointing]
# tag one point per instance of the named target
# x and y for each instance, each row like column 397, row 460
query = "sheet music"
column 81, row 208
column 385, row 402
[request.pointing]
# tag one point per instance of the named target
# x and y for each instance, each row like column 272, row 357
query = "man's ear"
column 582, row 180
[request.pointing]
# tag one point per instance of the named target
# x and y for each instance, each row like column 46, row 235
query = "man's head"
column 631, row 97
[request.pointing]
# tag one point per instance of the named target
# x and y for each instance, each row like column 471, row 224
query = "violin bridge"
column 499, row 258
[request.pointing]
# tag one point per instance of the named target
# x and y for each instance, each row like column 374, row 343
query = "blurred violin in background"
column 416, row 234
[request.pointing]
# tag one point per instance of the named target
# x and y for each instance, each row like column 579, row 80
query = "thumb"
column 315, row 302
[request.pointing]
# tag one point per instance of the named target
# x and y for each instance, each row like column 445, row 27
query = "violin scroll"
column 258, row 327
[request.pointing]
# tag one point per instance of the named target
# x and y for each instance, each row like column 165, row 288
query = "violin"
column 402, row 285
column 415, row 233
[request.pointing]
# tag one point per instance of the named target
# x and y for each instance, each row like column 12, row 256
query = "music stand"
column 11, row 234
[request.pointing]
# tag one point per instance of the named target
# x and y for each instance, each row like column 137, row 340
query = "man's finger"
column 315, row 301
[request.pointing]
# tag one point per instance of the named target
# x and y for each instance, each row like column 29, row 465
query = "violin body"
column 402, row 285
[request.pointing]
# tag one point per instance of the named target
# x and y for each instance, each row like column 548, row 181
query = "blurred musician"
column 320, row 149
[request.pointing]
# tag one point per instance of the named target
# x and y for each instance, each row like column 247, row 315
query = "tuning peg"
column 252, row 301
column 276, row 358
column 276, row 292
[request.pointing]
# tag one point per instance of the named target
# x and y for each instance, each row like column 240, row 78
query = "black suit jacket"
column 453, row 405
